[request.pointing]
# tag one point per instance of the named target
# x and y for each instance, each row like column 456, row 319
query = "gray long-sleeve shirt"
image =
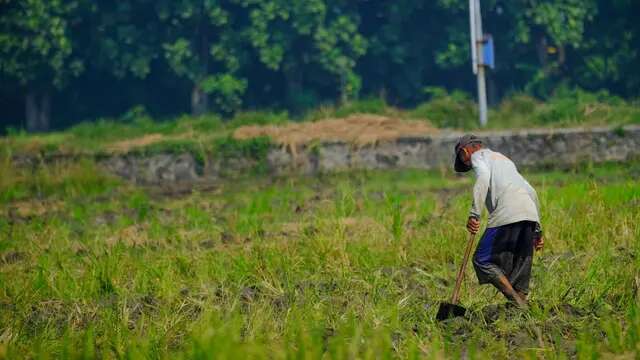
column 507, row 195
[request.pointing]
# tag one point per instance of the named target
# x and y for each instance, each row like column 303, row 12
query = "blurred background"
column 62, row 62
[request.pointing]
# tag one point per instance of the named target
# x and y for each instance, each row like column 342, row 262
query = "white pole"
column 482, row 87
column 482, row 96
column 472, row 26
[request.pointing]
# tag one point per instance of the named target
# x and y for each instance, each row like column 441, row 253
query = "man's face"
column 465, row 154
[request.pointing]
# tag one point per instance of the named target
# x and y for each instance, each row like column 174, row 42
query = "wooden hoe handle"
column 463, row 267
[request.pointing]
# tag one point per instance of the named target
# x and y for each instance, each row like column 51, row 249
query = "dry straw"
column 358, row 130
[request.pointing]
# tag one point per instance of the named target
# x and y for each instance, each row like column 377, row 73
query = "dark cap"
column 465, row 140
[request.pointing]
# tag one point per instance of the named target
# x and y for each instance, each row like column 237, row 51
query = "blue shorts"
column 506, row 250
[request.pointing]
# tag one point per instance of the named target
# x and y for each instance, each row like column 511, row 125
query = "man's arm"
column 538, row 241
column 534, row 196
column 480, row 189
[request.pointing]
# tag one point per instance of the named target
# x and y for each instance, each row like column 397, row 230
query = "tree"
column 202, row 45
column 305, row 38
column 408, row 44
column 37, row 52
column 608, row 55
column 553, row 26
column 124, row 37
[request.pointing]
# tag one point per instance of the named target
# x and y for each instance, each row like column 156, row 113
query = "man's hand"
column 473, row 225
column 538, row 243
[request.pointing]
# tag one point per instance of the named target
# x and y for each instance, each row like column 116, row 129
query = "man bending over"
column 504, row 254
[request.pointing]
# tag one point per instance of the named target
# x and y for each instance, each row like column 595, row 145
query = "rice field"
column 344, row 266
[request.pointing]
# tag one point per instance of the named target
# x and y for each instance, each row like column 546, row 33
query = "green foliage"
column 455, row 110
column 230, row 147
column 255, row 148
column 201, row 124
column 82, row 179
column 365, row 106
column 228, row 91
column 395, row 208
column 140, row 204
column 563, row 20
column 175, row 146
column 375, row 106
column 340, row 45
column 117, row 44
column 202, row 45
column 258, row 118
column 567, row 107
column 36, row 46
column 334, row 41
column 181, row 58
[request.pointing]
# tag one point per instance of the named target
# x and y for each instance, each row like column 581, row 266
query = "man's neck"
column 474, row 150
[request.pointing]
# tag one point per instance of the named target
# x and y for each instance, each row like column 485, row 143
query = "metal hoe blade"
column 451, row 309
column 448, row 310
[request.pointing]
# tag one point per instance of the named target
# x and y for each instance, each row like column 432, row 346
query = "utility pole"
column 477, row 56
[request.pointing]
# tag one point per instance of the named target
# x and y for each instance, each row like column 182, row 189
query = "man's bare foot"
column 522, row 295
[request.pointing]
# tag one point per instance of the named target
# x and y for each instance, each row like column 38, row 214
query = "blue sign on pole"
column 488, row 58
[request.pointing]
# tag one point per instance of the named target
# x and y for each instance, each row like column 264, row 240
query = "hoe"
column 452, row 309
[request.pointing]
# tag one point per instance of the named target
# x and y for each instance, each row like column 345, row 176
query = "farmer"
column 503, row 256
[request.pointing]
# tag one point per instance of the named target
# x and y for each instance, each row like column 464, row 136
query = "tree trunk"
column 344, row 97
column 199, row 101
column 294, row 91
column 38, row 111
column 31, row 111
column 562, row 55
column 541, row 49
column 44, row 117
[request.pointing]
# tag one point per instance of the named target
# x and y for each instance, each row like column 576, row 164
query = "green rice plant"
column 140, row 204
column 56, row 180
column 253, row 216
column 344, row 201
column 395, row 203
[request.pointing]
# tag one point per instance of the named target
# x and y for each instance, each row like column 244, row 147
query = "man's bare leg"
column 503, row 284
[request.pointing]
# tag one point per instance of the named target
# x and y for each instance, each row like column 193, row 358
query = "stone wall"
column 525, row 147
column 160, row 168
column 544, row 147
